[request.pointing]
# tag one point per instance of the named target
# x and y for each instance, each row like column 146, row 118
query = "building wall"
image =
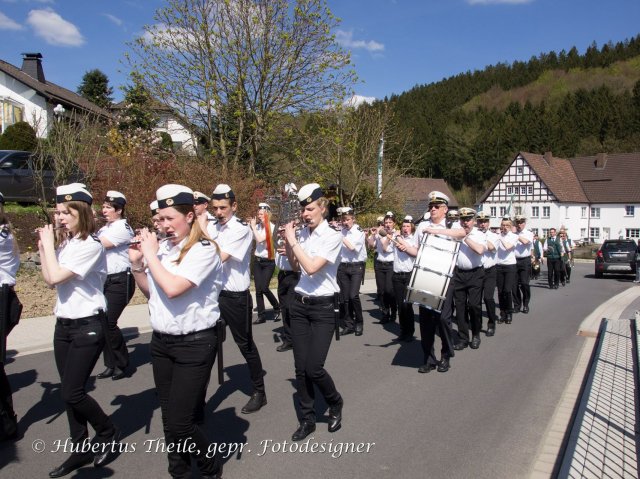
column 179, row 134
column 34, row 106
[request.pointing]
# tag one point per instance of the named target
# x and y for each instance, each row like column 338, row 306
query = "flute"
column 55, row 228
column 160, row 239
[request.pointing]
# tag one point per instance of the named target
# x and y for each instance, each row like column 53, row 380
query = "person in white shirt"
column 489, row 259
column 235, row 241
column 506, row 269
column 201, row 209
column 404, row 254
column 181, row 277
column 119, row 287
column 78, row 270
column 9, row 264
column 315, row 308
column 264, row 263
column 380, row 239
column 522, row 289
column 353, row 258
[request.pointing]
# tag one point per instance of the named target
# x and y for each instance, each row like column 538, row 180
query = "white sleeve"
column 198, row 263
column 331, row 247
column 83, row 257
column 118, row 234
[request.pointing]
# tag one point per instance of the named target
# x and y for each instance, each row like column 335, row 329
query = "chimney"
column 547, row 157
column 32, row 66
column 600, row 161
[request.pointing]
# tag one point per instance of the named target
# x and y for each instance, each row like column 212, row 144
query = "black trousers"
column 235, row 309
column 406, row 314
column 287, row 281
column 506, row 278
column 467, row 294
column 76, row 347
column 554, row 268
column 118, row 290
column 522, row 290
column 181, row 367
column 384, row 283
column 565, row 271
column 262, row 272
column 349, row 279
column 431, row 322
column 312, row 329
column 488, row 293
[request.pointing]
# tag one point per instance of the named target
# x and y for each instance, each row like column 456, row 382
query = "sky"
column 395, row 44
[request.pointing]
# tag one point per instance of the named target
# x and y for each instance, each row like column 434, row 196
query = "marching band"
column 194, row 268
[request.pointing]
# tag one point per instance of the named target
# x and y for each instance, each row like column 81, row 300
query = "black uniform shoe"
column 256, row 402
column 118, row 374
column 111, row 449
column 335, row 416
column 502, row 316
column 475, row 342
column 346, row 331
column 491, row 330
column 525, row 310
column 516, row 309
column 277, row 315
column 461, row 345
column 444, row 365
column 358, row 330
column 303, row 431
column 508, row 319
column 425, row 368
column 107, row 373
column 260, row 319
column 75, row 461
column 284, row 347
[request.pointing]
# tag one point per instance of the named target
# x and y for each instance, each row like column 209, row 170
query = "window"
column 11, row 113
column 584, row 213
column 509, row 190
column 546, row 211
column 566, row 212
column 583, row 232
column 503, row 211
column 535, row 211
column 595, row 212
column 629, row 210
column 529, row 190
column 492, row 211
column 534, row 231
column 545, row 232
column 518, row 210
column 523, row 190
column 594, row 233
column 633, row 232
column 520, row 170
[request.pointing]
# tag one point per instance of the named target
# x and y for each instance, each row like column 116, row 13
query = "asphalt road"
column 484, row 418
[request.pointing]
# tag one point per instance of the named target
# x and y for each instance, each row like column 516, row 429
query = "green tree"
column 95, row 88
column 138, row 107
column 19, row 136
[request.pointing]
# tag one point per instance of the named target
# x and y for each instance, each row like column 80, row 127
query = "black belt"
column 233, row 294
column 469, row 270
column 78, row 321
column 314, row 299
column 288, row 273
column 354, row 263
column 403, row 273
column 113, row 275
column 264, row 260
column 180, row 338
column 490, row 268
column 523, row 257
column 385, row 262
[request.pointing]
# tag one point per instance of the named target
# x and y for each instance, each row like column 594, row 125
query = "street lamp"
column 58, row 111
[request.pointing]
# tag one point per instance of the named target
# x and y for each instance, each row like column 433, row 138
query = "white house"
column 25, row 95
column 594, row 198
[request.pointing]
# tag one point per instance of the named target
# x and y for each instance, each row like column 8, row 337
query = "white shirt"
column 9, row 259
column 234, row 238
column 386, row 256
column 261, row 247
column 326, row 243
column 81, row 296
column 467, row 258
column 197, row 308
column 356, row 237
column 282, row 262
column 524, row 250
column 403, row 262
column 490, row 258
column 506, row 257
column 120, row 234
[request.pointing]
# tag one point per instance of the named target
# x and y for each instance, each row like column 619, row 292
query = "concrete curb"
column 611, row 309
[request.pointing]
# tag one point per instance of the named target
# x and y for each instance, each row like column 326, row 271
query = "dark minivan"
column 616, row 256
column 17, row 182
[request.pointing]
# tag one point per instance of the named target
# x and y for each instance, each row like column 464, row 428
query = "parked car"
column 17, row 182
column 616, row 256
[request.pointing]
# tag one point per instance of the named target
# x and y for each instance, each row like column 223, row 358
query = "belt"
column 113, row 275
column 288, row 273
column 181, row 338
column 470, row 270
column 523, row 257
column 384, row 262
column 314, row 299
column 402, row 273
column 233, row 294
column 490, row 268
column 78, row 321
column 264, row 260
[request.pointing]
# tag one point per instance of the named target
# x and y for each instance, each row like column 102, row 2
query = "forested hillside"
column 468, row 127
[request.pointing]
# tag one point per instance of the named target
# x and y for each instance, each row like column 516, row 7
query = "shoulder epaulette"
column 242, row 222
column 95, row 237
column 4, row 232
column 205, row 242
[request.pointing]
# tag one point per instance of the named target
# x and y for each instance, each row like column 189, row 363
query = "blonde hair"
column 195, row 234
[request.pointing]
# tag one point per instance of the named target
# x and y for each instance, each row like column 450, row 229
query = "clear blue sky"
column 395, row 44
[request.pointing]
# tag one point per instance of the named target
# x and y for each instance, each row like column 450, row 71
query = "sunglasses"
column 434, row 206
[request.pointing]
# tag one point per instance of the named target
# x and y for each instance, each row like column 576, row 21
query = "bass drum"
column 432, row 271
